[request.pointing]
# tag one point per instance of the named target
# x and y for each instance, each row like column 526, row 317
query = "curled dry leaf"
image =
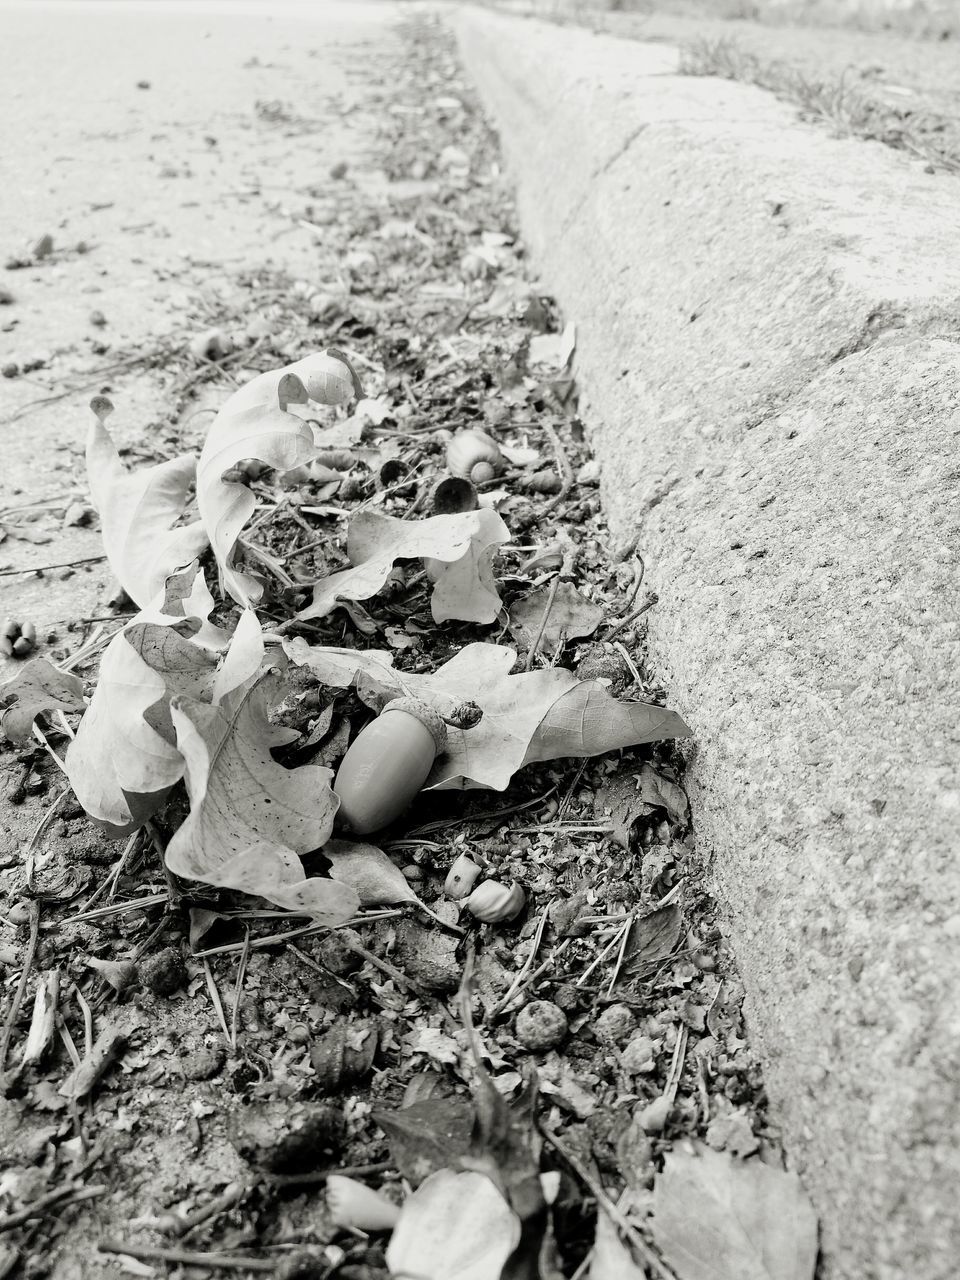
column 369, row 871
column 138, row 510
column 455, row 1226
column 249, row 817
column 716, row 1218
column 37, row 687
column 462, row 544
column 535, row 715
column 124, row 759
column 571, row 617
column 256, row 422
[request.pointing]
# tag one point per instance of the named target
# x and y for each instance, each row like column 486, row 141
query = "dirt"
column 238, row 1068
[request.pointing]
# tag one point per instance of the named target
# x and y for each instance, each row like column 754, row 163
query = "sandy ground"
column 134, row 130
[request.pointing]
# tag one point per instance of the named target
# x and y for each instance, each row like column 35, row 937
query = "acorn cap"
column 428, row 717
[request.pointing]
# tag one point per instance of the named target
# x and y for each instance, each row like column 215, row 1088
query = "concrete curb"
column 768, row 343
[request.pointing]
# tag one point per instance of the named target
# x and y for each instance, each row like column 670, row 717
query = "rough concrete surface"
column 769, row 343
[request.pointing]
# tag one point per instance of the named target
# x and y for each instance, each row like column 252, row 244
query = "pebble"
column 163, row 973
column 203, row 1063
column 615, row 1024
column 541, row 1025
column 653, row 1118
column 334, row 953
column 639, row 1055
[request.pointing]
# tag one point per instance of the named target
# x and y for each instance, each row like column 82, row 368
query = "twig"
column 445, row 823
column 614, row 942
column 98, row 913
column 217, row 1002
column 230, row 1196
column 10, row 1221
column 527, row 966
column 563, row 466
column 41, row 737
column 532, row 652
column 320, row 1175
column 34, row 909
column 44, row 568
column 213, row 1261
column 111, row 881
column 631, row 617
column 649, row 1256
column 620, row 954
column 37, row 833
column 238, row 991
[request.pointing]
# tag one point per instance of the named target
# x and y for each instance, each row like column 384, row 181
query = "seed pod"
column 494, row 903
column 6, row 646
column 356, row 1207
column 387, row 764
column 453, row 495
column 331, row 379
column 11, row 629
column 545, row 481
column 29, row 632
column 475, row 456
column 337, row 1061
column 22, row 646
column 461, row 877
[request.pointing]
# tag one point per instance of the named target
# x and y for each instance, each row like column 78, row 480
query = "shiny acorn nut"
column 357, row 1207
column 493, row 902
column 474, row 455
column 387, row 764
column 462, row 876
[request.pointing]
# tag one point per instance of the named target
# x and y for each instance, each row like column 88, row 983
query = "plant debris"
column 250, row 1001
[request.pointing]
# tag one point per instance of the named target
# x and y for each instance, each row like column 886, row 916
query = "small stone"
column 203, row 1063
column 615, row 1024
column 97, row 319
column 589, row 473
column 639, row 1055
column 10, row 369
column 77, row 514
column 541, row 1025
column 653, row 1118
column 288, row 1138
column 298, row 1033
column 339, row 170
column 598, row 664
column 706, row 961
column 335, row 953
column 163, row 973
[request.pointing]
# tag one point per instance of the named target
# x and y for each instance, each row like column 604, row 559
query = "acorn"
column 387, row 764
column 17, row 640
column 462, row 876
column 474, row 456
column 494, row 903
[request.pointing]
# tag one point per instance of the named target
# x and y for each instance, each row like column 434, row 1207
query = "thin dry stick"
column 44, row 568
column 109, row 885
column 527, row 965
column 631, row 617
column 74, row 1191
column 87, row 1021
column 38, row 833
column 651, row 1258
column 563, row 466
column 41, row 737
column 238, row 990
column 34, row 909
column 117, row 908
column 532, row 653
column 215, row 998
column 676, row 1066
column 230, row 1196
column 212, row 1261
column 620, row 954
column 614, row 942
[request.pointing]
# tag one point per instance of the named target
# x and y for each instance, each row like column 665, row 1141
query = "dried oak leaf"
column 250, row 817
column 257, row 422
column 652, row 938
column 716, row 1218
column 462, row 546
column 527, row 717
column 37, row 687
column 571, row 617
column 138, row 510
